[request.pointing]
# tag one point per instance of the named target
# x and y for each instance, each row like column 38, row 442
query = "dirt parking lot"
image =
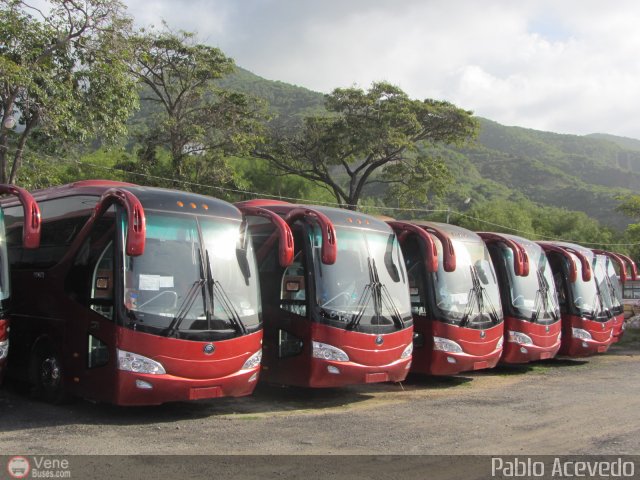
column 555, row 407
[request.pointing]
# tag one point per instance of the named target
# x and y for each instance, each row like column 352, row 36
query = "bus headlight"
column 580, row 333
column 253, row 361
column 446, row 345
column 519, row 337
column 4, row 349
column 407, row 351
column 328, row 352
column 132, row 362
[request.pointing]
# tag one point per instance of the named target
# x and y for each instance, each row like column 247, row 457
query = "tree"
column 366, row 137
column 63, row 75
column 196, row 122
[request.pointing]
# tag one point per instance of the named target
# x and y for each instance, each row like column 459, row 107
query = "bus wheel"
column 47, row 376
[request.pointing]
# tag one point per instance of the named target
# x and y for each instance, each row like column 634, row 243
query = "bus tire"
column 47, row 379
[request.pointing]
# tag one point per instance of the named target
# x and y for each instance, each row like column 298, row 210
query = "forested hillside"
column 583, row 173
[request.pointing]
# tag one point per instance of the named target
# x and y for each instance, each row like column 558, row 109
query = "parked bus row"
column 134, row 295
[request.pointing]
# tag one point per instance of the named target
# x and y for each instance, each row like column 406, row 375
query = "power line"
column 335, row 204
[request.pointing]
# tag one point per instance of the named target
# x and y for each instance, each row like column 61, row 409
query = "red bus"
column 136, row 296
column 613, row 284
column 585, row 303
column 455, row 298
column 340, row 313
column 529, row 298
column 30, row 239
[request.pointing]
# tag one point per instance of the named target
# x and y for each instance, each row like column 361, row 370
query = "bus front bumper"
column 448, row 363
column 147, row 389
column 525, row 353
column 328, row 373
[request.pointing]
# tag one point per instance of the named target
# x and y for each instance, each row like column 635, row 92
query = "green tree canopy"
column 63, row 75
column 369, row 136
column 198, row 123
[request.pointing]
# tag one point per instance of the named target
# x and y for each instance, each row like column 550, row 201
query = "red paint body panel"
column 546, row 344
column 478, row 352
column 368, row 363
column 601, row 333
column 618, row 328
column 4, row 335
column 191, row 374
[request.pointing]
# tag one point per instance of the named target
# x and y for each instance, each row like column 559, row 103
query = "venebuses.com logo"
column 18, row 467
column 38, row 467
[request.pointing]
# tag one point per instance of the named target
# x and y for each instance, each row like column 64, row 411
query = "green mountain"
column 583, row 173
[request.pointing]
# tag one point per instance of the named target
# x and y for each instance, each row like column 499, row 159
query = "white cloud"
column 566, row 66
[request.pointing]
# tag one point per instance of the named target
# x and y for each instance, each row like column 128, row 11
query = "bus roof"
column 152, row 198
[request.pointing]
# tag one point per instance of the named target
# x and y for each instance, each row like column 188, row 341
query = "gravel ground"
column 555, row 407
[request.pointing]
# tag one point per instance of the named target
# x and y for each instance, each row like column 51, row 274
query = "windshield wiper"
column 479, row 297
column 542, row 293
column 380, row 294
column 185, row 307
column 213, row 287
column 367, row 293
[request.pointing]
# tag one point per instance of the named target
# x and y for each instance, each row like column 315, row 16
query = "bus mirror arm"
column 573, row 270
column 329, row 239
column 520, row 257
column 32, row 218
column 286, row 246
column 136, row 222
column 404, row 229
column 632, row 265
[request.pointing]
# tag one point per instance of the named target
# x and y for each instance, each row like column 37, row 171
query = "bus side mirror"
column 136, row 221
column 32, row 218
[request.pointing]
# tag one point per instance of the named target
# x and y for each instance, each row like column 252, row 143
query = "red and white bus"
column 340, row 314
column 529, row 299
column 455, row 298
column 30, row 239
column 136, row 296
column 584, row 299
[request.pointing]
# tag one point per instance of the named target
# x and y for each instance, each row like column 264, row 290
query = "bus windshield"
column 614, row 286
column 193, row 281
column 366, row 288
column 533, row 297
column 469, row 295
column 604, row 287
column 586, row 297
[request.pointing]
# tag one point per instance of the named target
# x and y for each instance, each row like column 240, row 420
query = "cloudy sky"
column 568, row 66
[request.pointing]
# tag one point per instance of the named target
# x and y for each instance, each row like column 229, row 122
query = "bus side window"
column 293, row 293
column 102, row 284
column 90, row 280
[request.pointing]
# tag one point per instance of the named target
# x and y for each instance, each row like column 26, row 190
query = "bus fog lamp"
column 451, row 360
column 519, row 337
column 580, row 334
column 585, row 344
column 334, row 370
column 407, row 351
column 325, row 351
column 143, row 385
column 4, row 349
column 132, row 362
column 253, row 361
column 446, row 345
column 253, row 378
column 523, row 350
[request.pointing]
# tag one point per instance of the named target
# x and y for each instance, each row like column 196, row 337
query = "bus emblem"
column 209, row 348
column 379, row 340
column 483, row 334
column 547, row 328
